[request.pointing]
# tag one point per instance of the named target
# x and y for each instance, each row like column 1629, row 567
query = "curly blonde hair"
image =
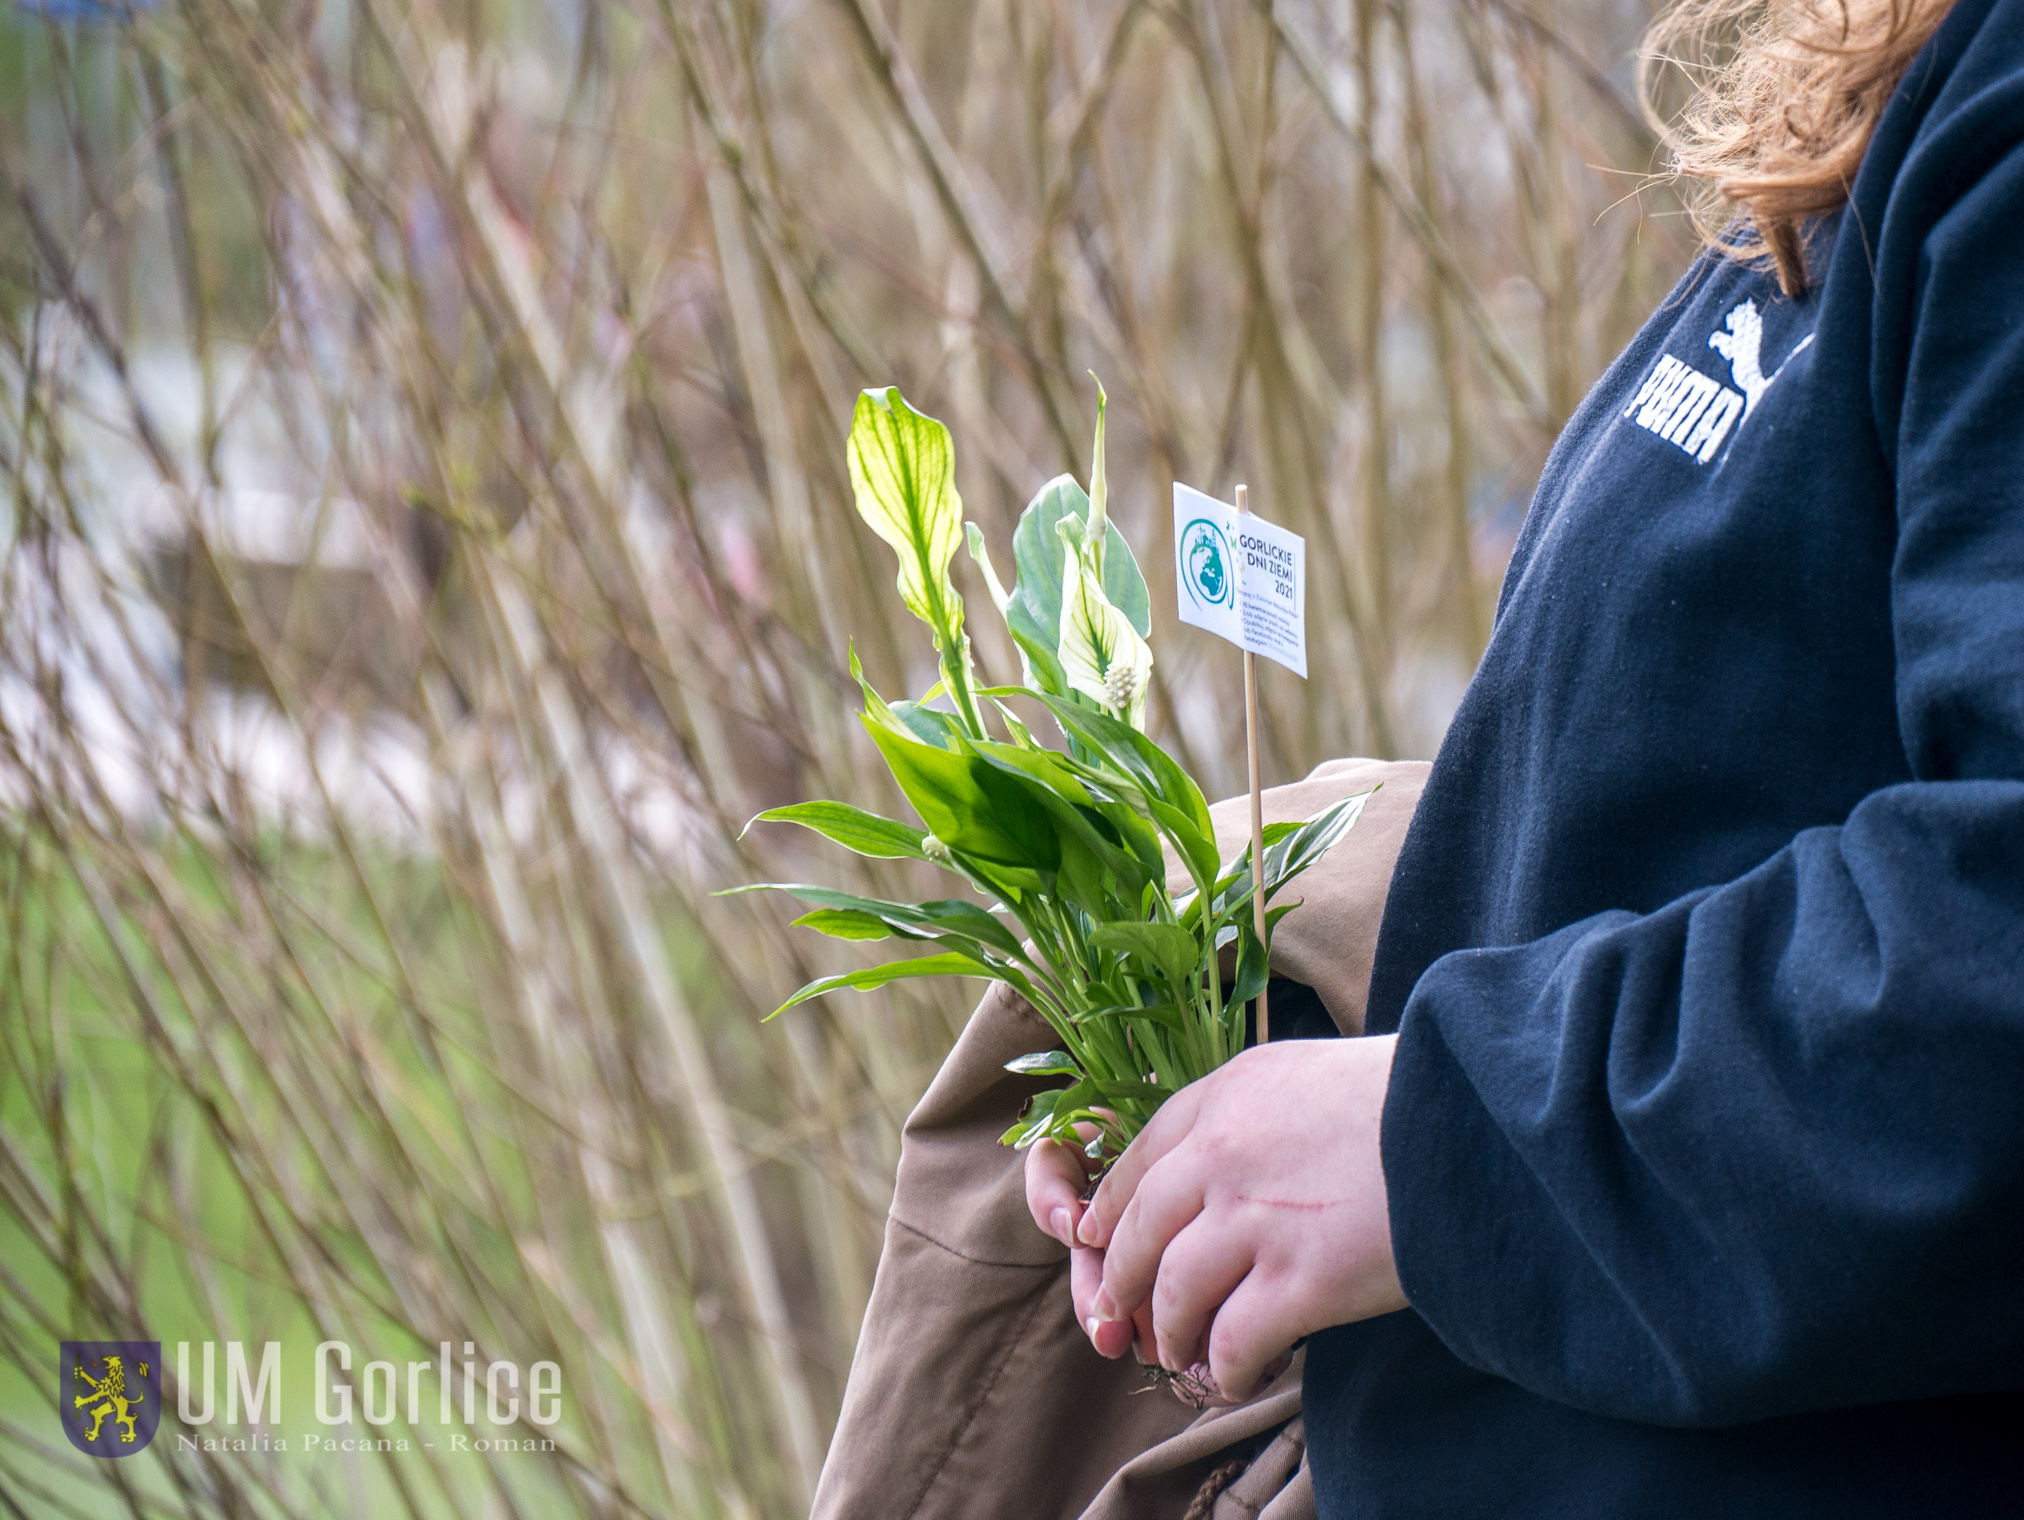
column 1782, row 98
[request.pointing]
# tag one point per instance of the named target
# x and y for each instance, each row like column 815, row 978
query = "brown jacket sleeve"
column 974, row 1395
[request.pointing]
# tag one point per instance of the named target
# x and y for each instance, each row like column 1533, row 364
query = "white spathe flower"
column 1101, row 653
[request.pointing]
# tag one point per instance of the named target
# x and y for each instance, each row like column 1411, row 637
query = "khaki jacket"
column 974, row 1395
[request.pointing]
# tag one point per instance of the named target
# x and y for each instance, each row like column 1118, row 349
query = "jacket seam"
column 1012, row 1346
column 979, row 1261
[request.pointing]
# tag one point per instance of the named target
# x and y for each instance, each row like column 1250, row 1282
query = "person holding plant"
column 1680, row 1169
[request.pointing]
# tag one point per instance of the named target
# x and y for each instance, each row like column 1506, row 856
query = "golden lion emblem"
column 109, row 1396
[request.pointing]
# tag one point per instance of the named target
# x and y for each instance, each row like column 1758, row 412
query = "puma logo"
column 1743, row 346
column 1695, row 411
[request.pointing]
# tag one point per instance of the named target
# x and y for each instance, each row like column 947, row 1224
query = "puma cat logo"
column 1742, row 345
column 1695, row 411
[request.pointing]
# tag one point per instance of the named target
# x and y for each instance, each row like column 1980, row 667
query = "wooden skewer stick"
column 1257, row 801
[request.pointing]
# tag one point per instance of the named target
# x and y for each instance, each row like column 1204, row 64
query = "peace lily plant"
column 1070, row 847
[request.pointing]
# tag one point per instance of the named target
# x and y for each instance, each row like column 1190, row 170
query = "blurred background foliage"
column 428, row 541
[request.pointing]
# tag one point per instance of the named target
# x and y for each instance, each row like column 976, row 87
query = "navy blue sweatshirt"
column 1705, row 1137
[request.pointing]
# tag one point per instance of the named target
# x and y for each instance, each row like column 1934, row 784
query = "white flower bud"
column 936, row 851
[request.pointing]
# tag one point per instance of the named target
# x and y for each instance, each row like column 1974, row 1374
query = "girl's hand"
column 1056, row 1178
column 1250, row 1212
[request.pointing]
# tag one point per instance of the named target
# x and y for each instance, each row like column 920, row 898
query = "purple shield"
column 110, row 1395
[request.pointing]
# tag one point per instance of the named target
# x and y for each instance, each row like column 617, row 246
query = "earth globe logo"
column 1205, row 564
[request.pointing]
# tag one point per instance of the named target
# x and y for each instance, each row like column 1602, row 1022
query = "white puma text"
column 1685, row 407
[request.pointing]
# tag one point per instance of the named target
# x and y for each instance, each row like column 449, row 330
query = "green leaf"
column 982, row 555
column 1044, row 1101
column 903, row 471
column 1298, row 847
column 1124, row 585
column 1197, row 846
column 969, row 805
column 1169, row 948
column 949, row 964
column 937, row 728
column 1154, row 1093
column 1038, row 558
column 903, row 475
column 1011, row 885
column 1136, row 755
column 1068, row 1099
column 1140, row 837
column 937, row 917
column 1044, row 768
column 851, row 827
column 877, row 711
column 1166, row 1015
column 1036, row 651
column 1084, row 882
column 1036, row 1120
column 849, row 923
column 1022, row 736
column 1045, row 1063
column 1055, row 787
column 1311, row 840
column 1130, row 781
column 951, row 915
column 1252, row 969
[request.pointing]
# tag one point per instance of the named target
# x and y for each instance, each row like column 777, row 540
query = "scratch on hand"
column 1289, row 1203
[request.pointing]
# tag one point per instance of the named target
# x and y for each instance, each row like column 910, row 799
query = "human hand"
column 1057, row 1177
column 1249, row 1212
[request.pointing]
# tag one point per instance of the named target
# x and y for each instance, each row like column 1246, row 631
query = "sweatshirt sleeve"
column 1762, row 1151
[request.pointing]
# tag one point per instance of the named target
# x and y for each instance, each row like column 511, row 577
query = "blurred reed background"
column 429, row 541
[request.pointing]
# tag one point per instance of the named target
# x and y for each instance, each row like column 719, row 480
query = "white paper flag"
column 1241, row 577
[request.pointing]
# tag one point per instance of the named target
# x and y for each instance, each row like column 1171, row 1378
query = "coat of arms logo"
column 110, row 1395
